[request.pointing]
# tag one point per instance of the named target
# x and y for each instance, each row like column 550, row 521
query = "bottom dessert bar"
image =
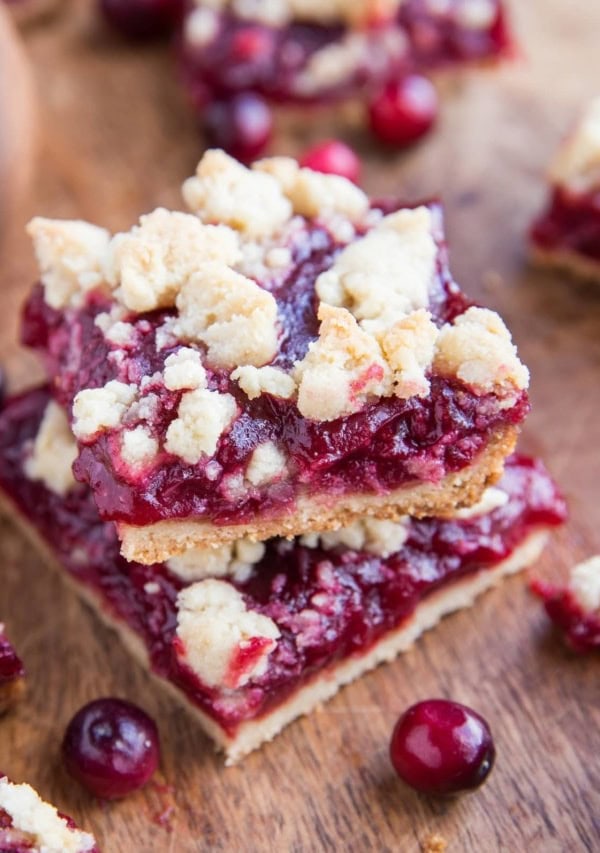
column 30, row 825
column 252, row 651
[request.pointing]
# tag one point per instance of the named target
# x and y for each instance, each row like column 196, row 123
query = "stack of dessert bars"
column 276, row 440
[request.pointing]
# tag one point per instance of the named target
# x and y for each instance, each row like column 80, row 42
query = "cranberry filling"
column 580, row 629
column 571, row 223
column 382, row 447
column 360, row 597
column 271, row 61
column 11, row 666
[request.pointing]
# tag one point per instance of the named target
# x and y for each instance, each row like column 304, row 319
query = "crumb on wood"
column 434, row 844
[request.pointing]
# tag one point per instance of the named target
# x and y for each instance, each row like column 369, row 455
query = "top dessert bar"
column 287, row 358
column 302, row 50
column 567, row 233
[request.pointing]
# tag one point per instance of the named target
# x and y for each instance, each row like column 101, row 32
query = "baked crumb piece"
column 184, row 370
column 279, row 13
column 231, row 314
column 150, row 263
column 219, row 639
column 224, row 191
column 255, row 381
column 491, row 499
column 53, row 453
column 235, row 559
column 49, row 831
column 584, row 584
column 409, row 349
column 138, row 447
column 98, row 409
column 373, row 535
column 71, row 257
column 434, row 844
column 202, row 417
column 314, row 194
column 477, row 349
column 577, row 164
column 267, row 464
column 382, row 277
column 342, row 369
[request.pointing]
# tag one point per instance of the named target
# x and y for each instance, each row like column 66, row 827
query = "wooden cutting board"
column 117, row 140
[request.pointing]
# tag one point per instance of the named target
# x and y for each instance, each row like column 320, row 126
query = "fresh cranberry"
column 333, row 158
column 441, row 747
column 111, row 747
column 404, row 111
column 143, row 19
column 241, row 125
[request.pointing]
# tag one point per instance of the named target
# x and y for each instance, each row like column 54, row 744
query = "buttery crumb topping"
column 584, row 584
column 214, row 627
column 255, row 381
column 279, row 13
column 53, row 453
column 376, row 536
column 31, row 815
column 577, row 164
column 235, row 559
column 97, row 409
column 267, row 463
column 202, row 417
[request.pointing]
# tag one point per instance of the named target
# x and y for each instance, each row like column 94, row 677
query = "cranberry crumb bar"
column 12, row 673
column 575, row 608
column 252, row 635
column 302, row 51
column 567, row 234
column 286, row 358
column 30, row 825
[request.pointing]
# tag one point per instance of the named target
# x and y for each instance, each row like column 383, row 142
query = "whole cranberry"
column 143, row 19
column 441, row 747
column 404, row 111
column 111, row 747
column 333, row 158
column 241, row 125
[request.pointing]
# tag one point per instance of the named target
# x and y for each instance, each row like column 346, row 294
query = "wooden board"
column 117, row 140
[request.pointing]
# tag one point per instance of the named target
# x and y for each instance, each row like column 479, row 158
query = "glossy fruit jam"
column 360, row 597
column 570, row 224
column 245, row 55
column 11, row 666
column 387, row 444
column 581, row 630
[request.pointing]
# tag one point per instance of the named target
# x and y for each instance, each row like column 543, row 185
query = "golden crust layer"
column 156, row 543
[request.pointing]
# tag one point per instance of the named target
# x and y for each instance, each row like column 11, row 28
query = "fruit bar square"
column 286, row 358
column 252, row 635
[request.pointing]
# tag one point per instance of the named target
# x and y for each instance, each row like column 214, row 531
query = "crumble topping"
column 70, row 255
column 231, row 314
column 584, row 584
column 235, row 559
column 96, row 409
column 224, row 191
column 202, row 418
column 267, row 463
column 373, row 535
column 478, row 350
column 491, row 499
column 342, row 368
column 255, row 381
column 138, row 447
column 476, row 14
column 314, row 194
column 279, row 13
column 151, row 262
column 54, row 451
column 577, row 164
column 31, row 815
column 184, row 370
column 409, row 349
column 201, row 26
column 215, row 629
column 386, row 274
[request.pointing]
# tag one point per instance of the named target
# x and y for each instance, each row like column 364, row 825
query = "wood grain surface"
column 117, row 140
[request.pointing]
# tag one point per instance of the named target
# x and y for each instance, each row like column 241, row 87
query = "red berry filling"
column 581, row 630
column 11, row 666
column 387, row 444
column 570, row 224
column 360, row 596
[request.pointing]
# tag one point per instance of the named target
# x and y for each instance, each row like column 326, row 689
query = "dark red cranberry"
column 241, row 125
column 111, row 747
column 441, row 747
column 333, row 158
column 143, row 19
column 404, row 111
